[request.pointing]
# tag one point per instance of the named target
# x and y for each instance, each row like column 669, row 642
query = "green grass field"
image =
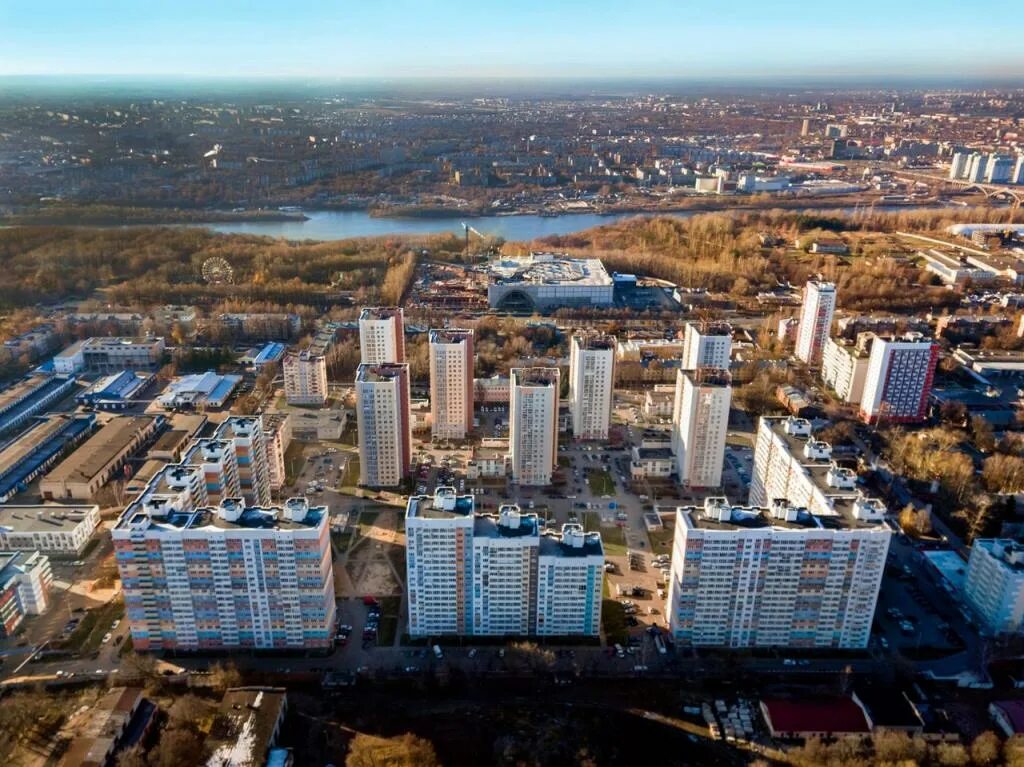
column 601, row 483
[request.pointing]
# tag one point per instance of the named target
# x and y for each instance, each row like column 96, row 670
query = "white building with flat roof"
column 384, row 424
column 707, row 345
column 816, row 312
column 700, row 423
column 591, row 384
column 382, row 335
column 775, row 576
column 305, row 378
column 50, row 528
column 451, row 383
column 995, row 584
column 544, row 281
column 533, row 424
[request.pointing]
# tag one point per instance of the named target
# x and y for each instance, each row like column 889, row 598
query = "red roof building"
column 814, row 718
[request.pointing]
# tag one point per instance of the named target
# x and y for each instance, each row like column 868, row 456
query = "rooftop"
column 534, row 376
column 231, row 515
column 571, row 542
column 444, row 504
column 594, row 341
column 380, row 312
column 509, row 523
column 100, row 449
column 249, row 716
column 449, row 335
column 380, row 373
column 47, row 516
column 832, row 715
column 550, row 269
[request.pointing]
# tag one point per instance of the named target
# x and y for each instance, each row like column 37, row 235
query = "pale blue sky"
column 523, row 38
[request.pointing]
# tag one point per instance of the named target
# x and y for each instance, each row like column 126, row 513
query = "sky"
column 728, row 39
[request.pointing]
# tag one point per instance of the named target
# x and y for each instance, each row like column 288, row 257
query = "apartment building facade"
column 230, row 576
column 707, row 345
column 305, row 378
column 384, row 425
column 995, row 584
column 533, row 424
column 775, row 576
column 451, row 383
column 700, row 423
column 899, row 380
column 816, row 312
column 591, row 384
column 382, row 335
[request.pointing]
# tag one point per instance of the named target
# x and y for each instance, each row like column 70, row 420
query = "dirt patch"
column 370, row 560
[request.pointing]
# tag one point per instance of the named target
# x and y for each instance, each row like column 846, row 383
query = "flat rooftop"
column 250, row 518
column 380, row 373
column 488, row 526
column 595, row 341
column 100, row 449
column 554, row 545
column 449, row 336
column 534, row 376
column 46, row 517
column 423, row 507
column 550, row 269
column 380, row 312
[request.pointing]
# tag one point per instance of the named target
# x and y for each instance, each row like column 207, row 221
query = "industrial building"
column 81, row 475
column 476, row 574
column 103, row 356
column 39, row 448
column 55, row 530
column 27, row 398
column 776, row 575
column 114, row 392
column 199, row 391
column 548, row 281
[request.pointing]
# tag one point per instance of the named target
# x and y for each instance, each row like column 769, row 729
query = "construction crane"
column 467, row 229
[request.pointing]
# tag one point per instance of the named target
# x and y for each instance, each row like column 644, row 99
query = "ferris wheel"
column 217, row 271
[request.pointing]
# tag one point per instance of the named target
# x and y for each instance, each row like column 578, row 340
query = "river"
column 337, row 225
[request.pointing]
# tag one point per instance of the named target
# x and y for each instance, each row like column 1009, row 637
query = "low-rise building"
column 493, row 390
column 651, row 463
column 199, row 391
column 25, row 399
column 81, row 475
column 248, row 728
column 658, row 401
column 54, row 530
column 106, row 726
column 114, row 392
column 103, row 356
column 318, row 425
column 488, row 462
column 39, row 448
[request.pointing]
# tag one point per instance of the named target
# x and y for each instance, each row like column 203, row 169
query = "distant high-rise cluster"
column 979, row 168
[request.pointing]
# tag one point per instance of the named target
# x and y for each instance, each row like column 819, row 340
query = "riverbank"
column 116, row 215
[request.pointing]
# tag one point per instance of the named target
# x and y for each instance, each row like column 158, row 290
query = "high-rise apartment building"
column 277, row 433
column 706, row 345
column 381, row 335
column 498, row 575
column 591, row 383
column 305, row 378
column 231, row 576
column 776, row 576
column 995, row 584
column 451, row 383
column 700, row 423
column 384, row 425
column 533, row 424
column 819, row 306
column 844, row 366
column 245, row 433
column 958, row 165
column 899, row 379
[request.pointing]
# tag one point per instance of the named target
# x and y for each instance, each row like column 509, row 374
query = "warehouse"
column 85, row 471
column 114, row 392
column 38, row 449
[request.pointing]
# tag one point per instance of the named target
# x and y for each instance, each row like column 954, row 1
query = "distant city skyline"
column 529, row 39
